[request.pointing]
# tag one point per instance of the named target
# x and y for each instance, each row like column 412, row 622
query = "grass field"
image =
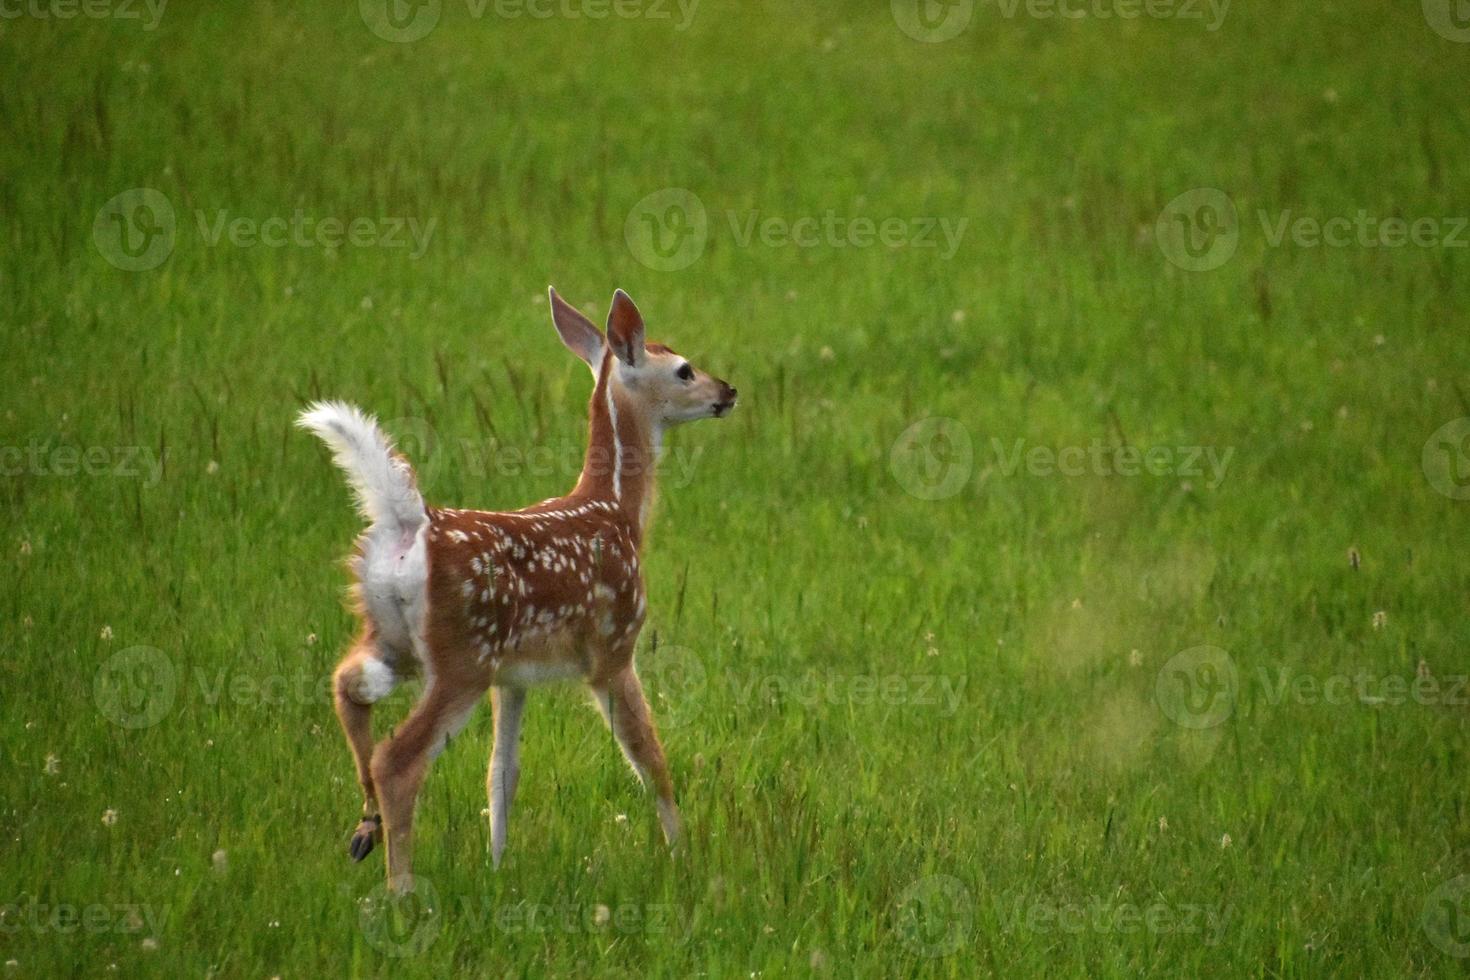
column 1079, row 588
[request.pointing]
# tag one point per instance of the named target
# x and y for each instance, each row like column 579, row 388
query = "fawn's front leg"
column 626, row 710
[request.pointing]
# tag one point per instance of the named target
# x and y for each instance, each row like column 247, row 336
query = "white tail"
column 480, row 600
column 380, row 478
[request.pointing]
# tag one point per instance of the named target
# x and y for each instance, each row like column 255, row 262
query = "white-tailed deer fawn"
column 475, row 600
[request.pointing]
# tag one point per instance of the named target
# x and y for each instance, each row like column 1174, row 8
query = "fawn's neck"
column 622, row 455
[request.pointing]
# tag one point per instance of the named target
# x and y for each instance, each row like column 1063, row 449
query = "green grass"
column 905, row 732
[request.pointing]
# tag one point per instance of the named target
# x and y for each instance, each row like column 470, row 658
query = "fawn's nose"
column 727, row 399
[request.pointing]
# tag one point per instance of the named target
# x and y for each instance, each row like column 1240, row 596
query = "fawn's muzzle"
column 726, row 402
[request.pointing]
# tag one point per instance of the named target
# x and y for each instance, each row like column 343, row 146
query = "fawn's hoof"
column 365, row 837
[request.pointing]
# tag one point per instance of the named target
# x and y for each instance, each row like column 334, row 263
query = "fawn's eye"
column 685, row 372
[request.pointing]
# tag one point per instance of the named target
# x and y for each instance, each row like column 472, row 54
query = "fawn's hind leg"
column 362, row 679
column 505, row 763
column 401, row 762
column 626, row 710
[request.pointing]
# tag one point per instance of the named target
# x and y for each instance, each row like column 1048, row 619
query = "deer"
column 501, row 601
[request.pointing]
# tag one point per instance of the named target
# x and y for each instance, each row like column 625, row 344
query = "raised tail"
column 381, row 479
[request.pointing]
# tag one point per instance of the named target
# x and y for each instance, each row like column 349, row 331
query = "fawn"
column 476, row 600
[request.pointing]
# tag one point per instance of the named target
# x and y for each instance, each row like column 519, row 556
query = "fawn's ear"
column 576, row 331
column 625, row 330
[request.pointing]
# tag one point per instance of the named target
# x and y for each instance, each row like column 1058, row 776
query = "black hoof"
column 361, row 847
column 364, row 838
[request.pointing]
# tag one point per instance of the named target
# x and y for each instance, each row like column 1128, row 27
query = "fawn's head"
column 655, row 380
